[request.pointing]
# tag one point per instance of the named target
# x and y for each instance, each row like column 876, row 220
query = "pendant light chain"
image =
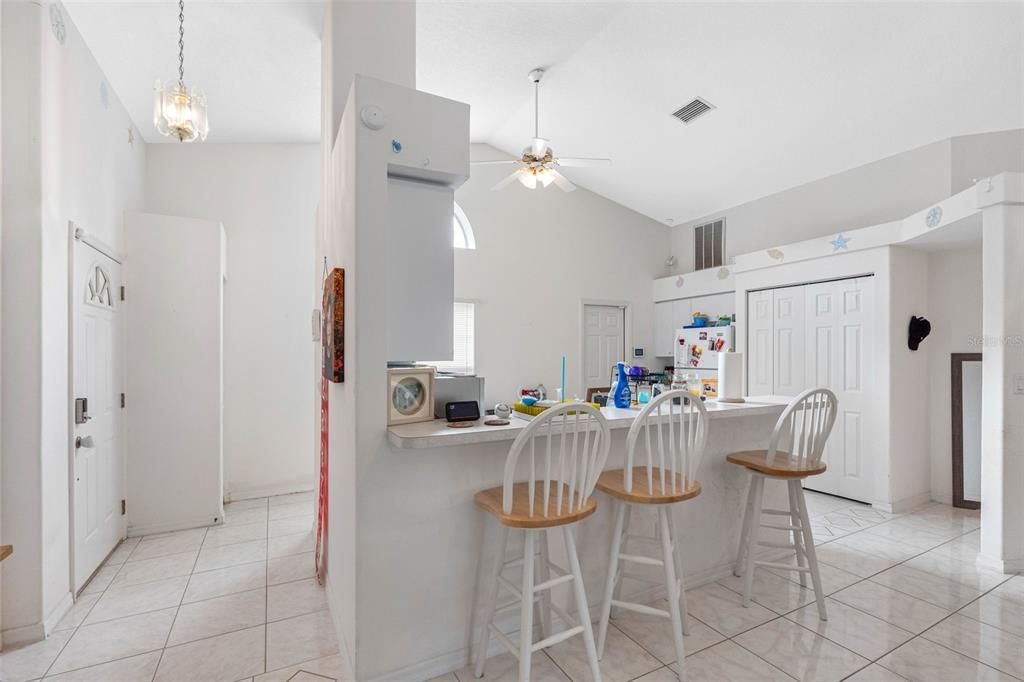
column 181, row 42
column 536, row 108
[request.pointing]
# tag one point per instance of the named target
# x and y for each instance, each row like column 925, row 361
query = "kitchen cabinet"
column 664, row 325
column 815, row 336
column 672, row 315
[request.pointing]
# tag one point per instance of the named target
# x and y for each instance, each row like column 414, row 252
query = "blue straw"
column 563, row 378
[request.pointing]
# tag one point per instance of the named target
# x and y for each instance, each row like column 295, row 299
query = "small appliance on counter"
column 455, row 388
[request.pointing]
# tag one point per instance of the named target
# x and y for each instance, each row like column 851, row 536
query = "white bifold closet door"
column 816, row 335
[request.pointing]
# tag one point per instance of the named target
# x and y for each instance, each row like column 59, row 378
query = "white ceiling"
column 257, row 62
column 802, row 90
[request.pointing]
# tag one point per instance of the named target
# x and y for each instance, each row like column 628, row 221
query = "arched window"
column 464, row 238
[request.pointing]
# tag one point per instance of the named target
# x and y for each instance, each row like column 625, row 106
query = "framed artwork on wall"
column 410, row 395
column 333, row 337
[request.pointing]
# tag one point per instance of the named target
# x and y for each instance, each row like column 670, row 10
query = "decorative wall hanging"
column 776, row 254
column 918, row 330
column 319, row 558
column 934, row 217
column 840, row 242
column 333, row 336
column 410, row 395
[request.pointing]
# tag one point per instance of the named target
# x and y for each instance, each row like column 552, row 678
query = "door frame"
column 77, row 234
column 627, row 333
column 956, row 365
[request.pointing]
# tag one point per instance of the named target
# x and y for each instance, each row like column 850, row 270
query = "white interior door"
column 604, row 342
column 838, row 318
column 788, row 341
column 98, row 467
column 759, row 343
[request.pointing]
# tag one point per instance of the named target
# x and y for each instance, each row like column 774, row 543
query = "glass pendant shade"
column 180, row 112
column 528, row 179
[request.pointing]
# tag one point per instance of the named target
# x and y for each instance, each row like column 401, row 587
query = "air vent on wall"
column 692, row 110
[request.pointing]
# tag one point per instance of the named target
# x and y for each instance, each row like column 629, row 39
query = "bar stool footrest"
column 558, row 637
column 641, row 608
column 782, row 567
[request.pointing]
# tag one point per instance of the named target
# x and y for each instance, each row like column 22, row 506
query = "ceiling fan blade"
column 493, row 163
column 561, row 181
column 540, row 146
column 569, row 162
column 507, row 181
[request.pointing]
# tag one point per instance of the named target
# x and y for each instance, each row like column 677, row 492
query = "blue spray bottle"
column 620, row 393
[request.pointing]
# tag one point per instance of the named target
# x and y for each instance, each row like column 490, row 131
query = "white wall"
column 265, row 195
column 82, row 169
column 954, row 309
column 538, row 255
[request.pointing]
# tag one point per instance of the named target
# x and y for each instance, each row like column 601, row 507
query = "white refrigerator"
column 697, row 349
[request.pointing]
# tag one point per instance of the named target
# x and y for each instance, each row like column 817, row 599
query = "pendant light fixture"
column 177, row 110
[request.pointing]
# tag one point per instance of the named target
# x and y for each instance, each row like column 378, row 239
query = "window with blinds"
column 464, row 331
column 709, row 245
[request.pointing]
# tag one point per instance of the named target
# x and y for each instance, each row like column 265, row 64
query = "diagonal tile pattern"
column 239, row 602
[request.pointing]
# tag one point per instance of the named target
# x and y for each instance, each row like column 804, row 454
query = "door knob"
column 83, row 442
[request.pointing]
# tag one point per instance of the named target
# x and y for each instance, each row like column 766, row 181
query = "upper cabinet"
column 672, row 315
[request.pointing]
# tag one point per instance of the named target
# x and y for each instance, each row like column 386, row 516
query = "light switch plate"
column 1018, row 384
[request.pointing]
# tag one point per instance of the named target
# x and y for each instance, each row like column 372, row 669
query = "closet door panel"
column 788, row 340
column 759, row 343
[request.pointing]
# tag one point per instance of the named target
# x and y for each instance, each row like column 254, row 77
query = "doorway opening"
column 604, row 341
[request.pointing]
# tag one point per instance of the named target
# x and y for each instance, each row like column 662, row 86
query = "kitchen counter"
column 437, row 433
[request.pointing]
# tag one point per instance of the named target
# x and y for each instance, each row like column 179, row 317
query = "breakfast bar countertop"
column 436, row 433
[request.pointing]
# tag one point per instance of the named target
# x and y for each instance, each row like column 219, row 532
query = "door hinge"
column 122, row 292
column 123, row 507
column 122, row 401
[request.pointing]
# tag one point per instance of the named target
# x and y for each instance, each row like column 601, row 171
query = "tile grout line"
column 177, row 610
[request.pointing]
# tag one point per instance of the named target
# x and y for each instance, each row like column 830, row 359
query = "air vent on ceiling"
column 692, row 110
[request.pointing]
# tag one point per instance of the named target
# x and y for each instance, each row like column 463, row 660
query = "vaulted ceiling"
column 801, row 90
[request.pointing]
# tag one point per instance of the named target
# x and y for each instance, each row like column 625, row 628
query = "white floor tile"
column 291, row 568
column 875, row 673
column 331, row 667
column 101, row 579
column 730, row 661
column 655, row 634
column 245, row 505
column 505, row 668
column 772, row 591
column 74, row 617
column 295, row 599
column 923, row 661
column 31, row 661
column 225, row 658
column 853, row 560
column 286, row 511
column 947, row 594
column 912, row 536
column 800, row 652
column 864, row 634
column 992, row 646
column 290, row 526
column 999, row 608
column 964, row 572
column 211, row 558
column 168, row 543
column 723, row 610
column 307, row 497
column 219, row 615
column 222, row 581
column 298, row 639
column 623, row 658
column 288, row 545
column 134, row 669
column 234, row 534
column 160, row 568
column 118, row 602
column 103, row 642
column 893, row 607
column 243, row 517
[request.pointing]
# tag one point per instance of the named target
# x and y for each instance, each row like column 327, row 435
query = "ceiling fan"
column 538, row 166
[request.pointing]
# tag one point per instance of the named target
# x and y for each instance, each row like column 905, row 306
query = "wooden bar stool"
column 673, row 454
column 573, row 446
column 794, row 453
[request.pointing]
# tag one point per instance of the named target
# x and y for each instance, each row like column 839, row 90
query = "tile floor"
column 905, row 602
column 239, row 602
column 221, row 604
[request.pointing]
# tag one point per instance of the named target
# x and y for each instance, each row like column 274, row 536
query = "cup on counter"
column 643, row 397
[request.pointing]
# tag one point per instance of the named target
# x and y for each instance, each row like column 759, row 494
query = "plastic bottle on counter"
column 620, row 393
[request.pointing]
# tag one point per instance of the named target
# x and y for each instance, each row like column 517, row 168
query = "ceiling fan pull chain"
column 536, row 108
column 181, row 42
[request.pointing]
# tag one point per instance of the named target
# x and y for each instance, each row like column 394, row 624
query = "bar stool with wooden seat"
column 562, row 470
column 793, row 454
column 665, row 477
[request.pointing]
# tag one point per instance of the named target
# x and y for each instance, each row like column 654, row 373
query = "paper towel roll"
column 730, row 377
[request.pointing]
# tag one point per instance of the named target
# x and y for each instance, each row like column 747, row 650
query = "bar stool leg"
column 544, row 573
column 794, row 520
column 812, row 555
column 741, row 551
column 526, row 608
column 581, row 605
column 617, row 596
column 490, row 598
column 613, row 576
column 757, row 485
column 667, row 552
column 679, row 571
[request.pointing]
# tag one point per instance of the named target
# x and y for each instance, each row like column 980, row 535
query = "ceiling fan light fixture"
column 528, row 179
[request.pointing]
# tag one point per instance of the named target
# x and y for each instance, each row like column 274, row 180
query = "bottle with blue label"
column 620, row 393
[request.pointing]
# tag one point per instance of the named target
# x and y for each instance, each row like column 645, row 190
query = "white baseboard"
column 171, row 526
column 25, row 634
column 268, row 491
column 1007, row 566
column 454, row 660
column 58, row 613
column 904, row 505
